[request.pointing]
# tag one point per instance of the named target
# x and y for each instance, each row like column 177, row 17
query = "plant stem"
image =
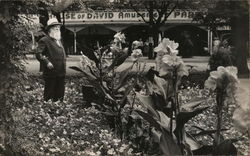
column 220, row 101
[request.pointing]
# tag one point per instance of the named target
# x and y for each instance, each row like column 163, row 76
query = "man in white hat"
column 51, row 55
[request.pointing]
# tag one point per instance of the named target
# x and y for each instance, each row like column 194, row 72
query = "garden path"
column 32, row 65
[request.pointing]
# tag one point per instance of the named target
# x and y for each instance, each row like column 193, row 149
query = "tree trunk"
column 43, row 15
column 240, row 31
column 151, row 23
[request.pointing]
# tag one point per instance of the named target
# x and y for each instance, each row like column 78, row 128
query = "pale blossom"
column 167, row 46
column 85, row 62
column 136, row 44
column 106, row 63
column 172, row 60
column 117, row 48
column 170, row 63
column 136, row 54
column 223, row 78
column 119, row 37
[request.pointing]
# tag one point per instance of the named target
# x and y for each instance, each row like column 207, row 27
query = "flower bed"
column 46, row 128
column 69, row 129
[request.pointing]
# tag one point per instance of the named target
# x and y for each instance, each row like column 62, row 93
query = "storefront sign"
column 124, row 16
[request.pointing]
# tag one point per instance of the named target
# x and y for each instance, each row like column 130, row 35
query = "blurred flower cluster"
column 167, row 46
column 224, row 78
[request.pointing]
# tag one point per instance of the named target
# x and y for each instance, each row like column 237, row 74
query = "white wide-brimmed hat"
column 52, row 22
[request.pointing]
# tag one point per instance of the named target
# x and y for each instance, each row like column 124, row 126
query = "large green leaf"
column 163, row 85
column 123, row 77
column 183, row 117
column 76, row 68
column 118, row 60
column 148, row 102
column 148, row 117
column 90, row 53
column 92, row 94
column 168, row 145
column 226, row 148
column 124, row 98
column 192, row 142
column 88, row 75
column 206, row 132
column 164, row 121
column 156, row 135
column 204, row 150
column 151, row 74
column 191, row 105
column 159, row 101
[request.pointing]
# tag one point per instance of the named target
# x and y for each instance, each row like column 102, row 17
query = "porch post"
column 74, row 41
column 210, row 41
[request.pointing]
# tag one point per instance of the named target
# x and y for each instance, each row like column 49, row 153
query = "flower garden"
column 132, row 112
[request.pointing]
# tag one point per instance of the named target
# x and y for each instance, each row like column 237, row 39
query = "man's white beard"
column 55, row 34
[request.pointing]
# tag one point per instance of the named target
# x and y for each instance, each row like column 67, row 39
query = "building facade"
column 84, row 29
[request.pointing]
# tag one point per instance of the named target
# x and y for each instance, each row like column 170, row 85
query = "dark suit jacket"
column 49, row 51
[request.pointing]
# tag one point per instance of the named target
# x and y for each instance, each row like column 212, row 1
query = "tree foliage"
column 236, row 15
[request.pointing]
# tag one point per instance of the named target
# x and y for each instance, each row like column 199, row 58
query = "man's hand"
column 50, row 65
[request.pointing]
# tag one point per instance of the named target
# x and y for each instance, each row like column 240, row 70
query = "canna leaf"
column 150, row 119
column 90, row 53
column 124, row 98
column 226, row 148
column 148, row 103
column 192, row 142
column 191, row 105
column 92, row 95
column 118, row 60
column 204, row 150
column 156, row 135
column 168, row 145
column 88, row 75
column 183, row 118
column 123, row 77
column 163, row 85
column 159, row 102
column 76, row 68
column 135, row 115
column 164, row 121
column 206, row 132
column 151, row 74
